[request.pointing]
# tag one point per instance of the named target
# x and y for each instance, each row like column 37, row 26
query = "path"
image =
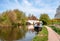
column 52, row 36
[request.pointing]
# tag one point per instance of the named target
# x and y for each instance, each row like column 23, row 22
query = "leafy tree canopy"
column 45, row 18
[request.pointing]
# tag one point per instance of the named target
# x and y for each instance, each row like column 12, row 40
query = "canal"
column 18, row 34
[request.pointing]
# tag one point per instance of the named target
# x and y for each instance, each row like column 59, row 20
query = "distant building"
column 32, row 19
column 57, row 15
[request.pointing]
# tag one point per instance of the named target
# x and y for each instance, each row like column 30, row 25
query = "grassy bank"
column 57, row 30
column 42, row 36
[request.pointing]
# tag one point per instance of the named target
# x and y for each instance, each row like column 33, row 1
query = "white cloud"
column 28, row 7
column 26, row 3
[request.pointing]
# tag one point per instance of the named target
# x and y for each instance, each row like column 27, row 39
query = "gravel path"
column 52, row 35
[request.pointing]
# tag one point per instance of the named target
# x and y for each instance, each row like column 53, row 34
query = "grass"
column 57, row 30
column 42, row 36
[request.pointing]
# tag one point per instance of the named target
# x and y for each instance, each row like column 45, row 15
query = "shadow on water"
column 16, row 34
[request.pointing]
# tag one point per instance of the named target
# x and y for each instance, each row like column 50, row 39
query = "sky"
column 35, row 7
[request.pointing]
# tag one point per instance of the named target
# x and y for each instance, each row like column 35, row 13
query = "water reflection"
column 30, row 34
column 16, row 34
column 9, row 34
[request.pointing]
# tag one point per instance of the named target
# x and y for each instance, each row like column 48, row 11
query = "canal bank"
column 42, row 35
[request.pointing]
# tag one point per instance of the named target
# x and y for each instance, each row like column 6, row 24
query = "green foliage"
column 42, row 36
column 56, row 21
column 20, row 16
column 56, row 29
column 45, row 19
column 4, row 19
column 13, row 17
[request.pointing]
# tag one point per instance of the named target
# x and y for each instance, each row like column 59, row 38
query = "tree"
column 4, row 18
column 13, row 17
column 21, row 17
column 45, row 19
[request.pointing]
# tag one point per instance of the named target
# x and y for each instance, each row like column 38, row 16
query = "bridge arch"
column 32, row 21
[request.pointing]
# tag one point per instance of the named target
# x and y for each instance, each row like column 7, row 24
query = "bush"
column 56, row 29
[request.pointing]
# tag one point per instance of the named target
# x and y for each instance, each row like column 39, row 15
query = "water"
column 28, row 37
column 17, row 34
